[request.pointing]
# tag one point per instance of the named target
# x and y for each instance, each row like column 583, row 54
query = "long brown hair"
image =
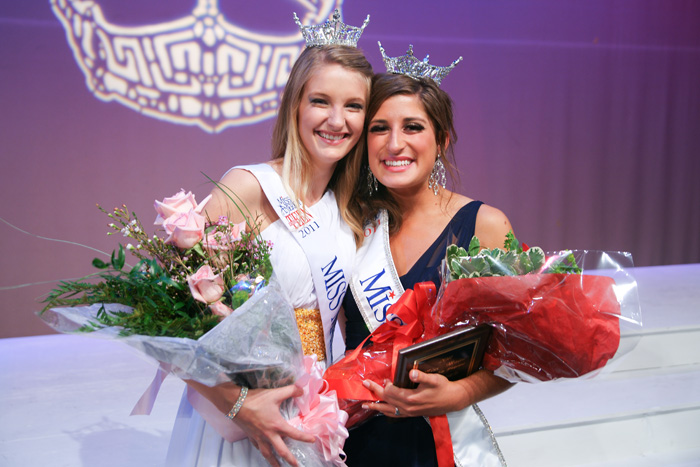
column 286, row 141
column 438, row 106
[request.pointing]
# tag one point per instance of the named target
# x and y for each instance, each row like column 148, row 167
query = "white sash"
column 318, row 237
column 376, row 286
column 375, row 282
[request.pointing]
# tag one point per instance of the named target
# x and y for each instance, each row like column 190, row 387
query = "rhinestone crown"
column 410, row 66
column 332, row 32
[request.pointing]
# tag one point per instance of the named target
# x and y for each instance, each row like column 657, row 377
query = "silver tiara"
column 410, row 66
column 332, row 32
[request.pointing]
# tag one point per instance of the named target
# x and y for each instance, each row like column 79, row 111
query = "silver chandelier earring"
column 372, row 184
column 437, row 176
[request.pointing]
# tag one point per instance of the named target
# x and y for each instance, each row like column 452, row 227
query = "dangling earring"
column 437, row 176
column 372, row 184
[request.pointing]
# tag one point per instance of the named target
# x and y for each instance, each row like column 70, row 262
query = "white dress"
column 194, row 442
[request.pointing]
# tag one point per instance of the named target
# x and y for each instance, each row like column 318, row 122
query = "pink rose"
column 184, row 230
column 206, row 286
column 219, row 309
column 180, row 203
column 235, row 230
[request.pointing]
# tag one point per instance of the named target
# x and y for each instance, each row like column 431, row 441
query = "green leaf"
column 150, row 301
column 479, row 265
column 119, row 259
column 474, row 246
column 199, row 250
column 525, row 265
column 99, row 264
column 512, row 243
column 455, row 267
column 510, row 260
column 182, row 313
column 452, row 250
column 496, row 267
column 537, row 257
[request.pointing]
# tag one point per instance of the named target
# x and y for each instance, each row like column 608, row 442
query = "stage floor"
column 65, row 399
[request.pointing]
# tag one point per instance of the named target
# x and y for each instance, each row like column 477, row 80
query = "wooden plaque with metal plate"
column 456, row 355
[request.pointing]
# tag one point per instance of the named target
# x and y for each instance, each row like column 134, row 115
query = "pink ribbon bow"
column 319, row 413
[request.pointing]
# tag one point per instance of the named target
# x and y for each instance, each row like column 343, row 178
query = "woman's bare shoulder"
column 237, row 195
column 491, row 228
column 456, row 202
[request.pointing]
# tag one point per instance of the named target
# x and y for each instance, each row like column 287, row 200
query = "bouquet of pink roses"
column 171, row 305
column 203, row 302
column 184, row 282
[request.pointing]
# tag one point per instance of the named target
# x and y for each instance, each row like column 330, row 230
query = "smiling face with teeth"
column 332, row 113
column 401, row 144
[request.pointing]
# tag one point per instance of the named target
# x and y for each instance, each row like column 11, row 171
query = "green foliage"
column 162, row 307
column 512, row 243
column 156, row 287
column 511, row 260
column 564, row 264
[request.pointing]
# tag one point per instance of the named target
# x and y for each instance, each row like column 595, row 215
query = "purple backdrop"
column 577, row 119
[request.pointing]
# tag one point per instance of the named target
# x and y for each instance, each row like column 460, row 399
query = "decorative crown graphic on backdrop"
column 198, row 70
column 409, row 65
column 331, row 32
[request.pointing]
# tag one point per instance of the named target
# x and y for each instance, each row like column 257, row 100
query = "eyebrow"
column 323, row 95
column 404, row 121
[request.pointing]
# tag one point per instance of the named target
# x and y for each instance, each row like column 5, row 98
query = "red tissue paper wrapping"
column 545, row 327
column 376, row 361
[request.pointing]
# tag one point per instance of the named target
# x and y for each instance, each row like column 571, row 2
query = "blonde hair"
column 286, row 141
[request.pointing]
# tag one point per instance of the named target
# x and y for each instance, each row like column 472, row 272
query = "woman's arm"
column 259, row 416
column 435, row 394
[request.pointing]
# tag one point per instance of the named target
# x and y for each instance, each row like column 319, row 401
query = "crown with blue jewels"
column 332, row 32
column 409, row 65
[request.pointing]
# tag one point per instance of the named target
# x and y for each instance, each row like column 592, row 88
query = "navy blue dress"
column 403, row 441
